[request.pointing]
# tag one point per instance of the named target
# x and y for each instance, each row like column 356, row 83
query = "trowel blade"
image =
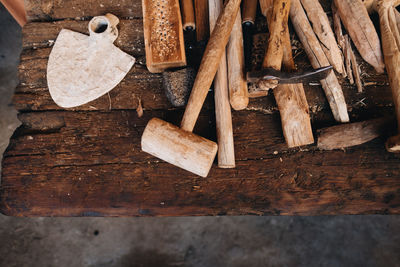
column 80, row 70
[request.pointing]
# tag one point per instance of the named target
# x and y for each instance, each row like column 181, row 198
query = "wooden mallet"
column 179, row 146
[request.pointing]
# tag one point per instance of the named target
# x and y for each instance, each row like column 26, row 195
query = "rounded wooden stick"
column 226, row 152
column 187, row 14
column 201, row 14
column 238, row 91
column 249, row 11
column 209, row 63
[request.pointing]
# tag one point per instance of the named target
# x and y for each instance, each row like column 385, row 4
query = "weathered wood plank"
column 32, row 93
column 44, row 34
column 99, row 170
column 81, row 163
column 45, row 10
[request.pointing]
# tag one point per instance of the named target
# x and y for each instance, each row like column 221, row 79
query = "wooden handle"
column 187, row 10
column 226, row 151
column 16, row 9
column 238, row 91
column 274, row 53
column 202, row 23
column 209, row 63
column 249, row 10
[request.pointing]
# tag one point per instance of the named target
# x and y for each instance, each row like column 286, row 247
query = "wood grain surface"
column 87, row 161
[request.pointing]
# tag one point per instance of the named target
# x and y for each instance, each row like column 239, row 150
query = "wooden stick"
column 358, row 24
column 226, row 151
column 209, row 63
column 188, row 14
column 163, row 35
column 16, row 9
column 331, row 86
column 321, row 26
column 352, row 134
column 249, row 11
column 337, row 26
column 355, row 68
column 347, row 50
column 238, row 91
column 202, row 23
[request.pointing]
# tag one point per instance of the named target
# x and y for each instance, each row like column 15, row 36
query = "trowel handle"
column 209, row 63
column 104, row 27
column 114, row 20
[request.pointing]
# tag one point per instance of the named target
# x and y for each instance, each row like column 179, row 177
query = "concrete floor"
column 199, row 241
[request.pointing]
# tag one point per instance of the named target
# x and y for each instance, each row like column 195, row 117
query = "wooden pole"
column 226, row 151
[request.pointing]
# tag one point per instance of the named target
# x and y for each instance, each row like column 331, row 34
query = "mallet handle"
column 209, row 63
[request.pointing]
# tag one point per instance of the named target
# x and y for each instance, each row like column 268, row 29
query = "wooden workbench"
column 87, row 161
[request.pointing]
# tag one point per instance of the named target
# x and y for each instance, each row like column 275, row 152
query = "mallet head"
column 179, row 147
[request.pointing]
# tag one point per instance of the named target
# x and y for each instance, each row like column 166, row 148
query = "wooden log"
column 318, row 59
column 163, row 35
column 223, row 116
column 202, row 22
column 356, row 20
column 322, row 28
column 238, row 91
column 352, row 134
column 109, row 176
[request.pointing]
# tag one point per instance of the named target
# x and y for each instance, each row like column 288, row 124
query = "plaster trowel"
column 82, row 68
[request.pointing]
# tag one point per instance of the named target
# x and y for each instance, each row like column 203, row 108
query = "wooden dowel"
column 238, row 91
column 249, row 11
column 316, row 55
column 226, row 152
column 188, row 18
column 202, row 23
